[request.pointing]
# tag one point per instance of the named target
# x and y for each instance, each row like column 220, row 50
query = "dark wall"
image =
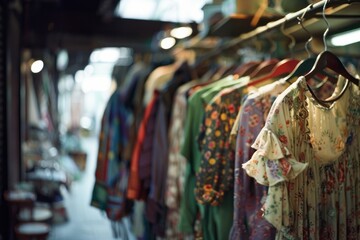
column 10, row 144
column 3, row 151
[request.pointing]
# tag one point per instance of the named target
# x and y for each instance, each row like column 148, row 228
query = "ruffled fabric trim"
column 272, row 162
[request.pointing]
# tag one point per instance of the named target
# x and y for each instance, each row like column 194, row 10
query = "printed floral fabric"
column 189, row 207
column 215, row 175
column 308, row 155
column 177, row 163
column 248, row 194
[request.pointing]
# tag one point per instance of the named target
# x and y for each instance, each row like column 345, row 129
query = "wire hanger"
column 246, row 68
column 291, row 37
column 263, row 66
column 276, row 69
column 329, row 60
column 283, row 67
column 305, row 65
column 301, row 22
column 251, row 67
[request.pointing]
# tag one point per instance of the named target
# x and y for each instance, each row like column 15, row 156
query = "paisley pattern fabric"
column 308, row 155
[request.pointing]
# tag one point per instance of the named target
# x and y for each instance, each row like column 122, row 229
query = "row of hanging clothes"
column 260, row 150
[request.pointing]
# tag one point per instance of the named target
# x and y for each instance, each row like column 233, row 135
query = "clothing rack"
column 290, row 19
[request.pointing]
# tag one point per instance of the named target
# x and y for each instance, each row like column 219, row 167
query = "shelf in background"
column 237, row 24
column 316, row 25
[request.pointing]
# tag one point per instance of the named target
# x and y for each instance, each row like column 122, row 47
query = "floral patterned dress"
column 248, row 195
column 308, row 155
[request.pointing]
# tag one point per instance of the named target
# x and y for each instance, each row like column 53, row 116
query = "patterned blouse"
column 215, row 175
column 248, row 195
column 308, row 155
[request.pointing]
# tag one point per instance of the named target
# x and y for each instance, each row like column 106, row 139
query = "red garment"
column 134, row 184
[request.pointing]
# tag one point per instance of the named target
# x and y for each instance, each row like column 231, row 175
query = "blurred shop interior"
column 79, row 82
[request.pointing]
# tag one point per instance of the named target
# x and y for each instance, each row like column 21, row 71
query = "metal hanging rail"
column 291, row 18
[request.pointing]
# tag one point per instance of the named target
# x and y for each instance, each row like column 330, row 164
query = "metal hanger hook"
column 292, row 38
column 301, row 22
column 327, row 25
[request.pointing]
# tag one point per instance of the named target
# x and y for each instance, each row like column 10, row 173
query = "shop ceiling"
column 85, row 25
column 88, row 24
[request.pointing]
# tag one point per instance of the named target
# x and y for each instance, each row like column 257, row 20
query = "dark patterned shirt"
column 215, row 175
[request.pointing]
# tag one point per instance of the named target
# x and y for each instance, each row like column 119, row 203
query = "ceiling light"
column 96, row 84
column 37, row 66
column 172, row 11
column 109, row 54
column 181, row 32
column 345, row 38
column 62, row 60
column 105, row 55
column 167, row 43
